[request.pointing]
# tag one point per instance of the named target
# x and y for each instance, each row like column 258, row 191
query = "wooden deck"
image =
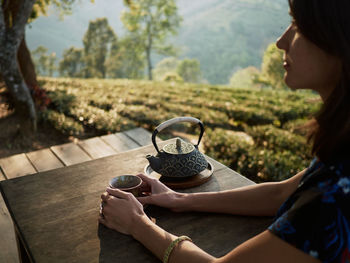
column 56, row 157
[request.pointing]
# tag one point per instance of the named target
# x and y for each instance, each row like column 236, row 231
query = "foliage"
column 172, row 76
column 62, row 122
column 151, row 22
column 227, row 35
column 189, row 70
column 40, row 7
column 224, row 36
column 125, row 60
column 171, row 68
column 45, row 64
column 103, row 56
column 245, row 78
column 165, row 66
column 98, row 40
column 248, row 129
column 72, row 63
column 272, row 71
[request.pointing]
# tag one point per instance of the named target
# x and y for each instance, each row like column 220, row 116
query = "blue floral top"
column 316, row 217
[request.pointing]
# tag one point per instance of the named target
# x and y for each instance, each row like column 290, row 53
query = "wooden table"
column 55, row 213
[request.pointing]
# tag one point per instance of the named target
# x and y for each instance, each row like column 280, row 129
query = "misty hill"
column 224, row 35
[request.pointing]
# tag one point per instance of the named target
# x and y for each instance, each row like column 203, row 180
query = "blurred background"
column 105, row 66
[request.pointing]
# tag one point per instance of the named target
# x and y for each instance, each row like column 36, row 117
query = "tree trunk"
column 11, row 35
column 149, row 63
column 25, row 61
column 148, row 50
column 26, row 65
column 13, row 79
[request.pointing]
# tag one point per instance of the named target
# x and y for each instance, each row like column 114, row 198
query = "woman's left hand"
column 121, row 211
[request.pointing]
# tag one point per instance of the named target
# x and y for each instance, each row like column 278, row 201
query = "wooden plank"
column 16, row 165
column 44, row 160
column 97, row 148
column 140, row 136
column 8, row 245
column 120, row 142
column 2, row 176
column 70, row 153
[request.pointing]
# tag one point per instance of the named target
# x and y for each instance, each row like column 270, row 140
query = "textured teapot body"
column 178, row 165
column 180, row 159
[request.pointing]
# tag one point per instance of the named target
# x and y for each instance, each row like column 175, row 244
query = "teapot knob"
column 178, row 145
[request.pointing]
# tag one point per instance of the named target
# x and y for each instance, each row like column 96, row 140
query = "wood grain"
column 140, row 135
column 69, row 213
column 8, row 246
column 70, row 153
column 119, row 142
column 44, row 160
column 16, row 165
column 2, row 176
column 97, row 148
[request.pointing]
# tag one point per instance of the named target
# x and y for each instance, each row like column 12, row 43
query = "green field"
column 253, row 131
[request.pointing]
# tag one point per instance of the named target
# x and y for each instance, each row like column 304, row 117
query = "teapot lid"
column 180, row 147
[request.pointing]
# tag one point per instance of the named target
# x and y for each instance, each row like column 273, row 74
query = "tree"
column 45, row 64
column 40, row 59
column 245, row 78
column 97, row 41
column 272, row 71
column 151, row 22
column 165, row 66
column 13, row 17
column 126, row 60
column 12, row 27
column 72, row 63
column 51, row 64
column 189, row 70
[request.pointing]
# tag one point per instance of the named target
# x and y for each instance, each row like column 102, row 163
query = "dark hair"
column 326, row 23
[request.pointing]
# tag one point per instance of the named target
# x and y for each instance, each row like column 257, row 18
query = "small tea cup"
column 127, row 183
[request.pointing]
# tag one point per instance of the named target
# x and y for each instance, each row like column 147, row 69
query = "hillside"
column 223, row 35
column 250, row 130
column 229, row 35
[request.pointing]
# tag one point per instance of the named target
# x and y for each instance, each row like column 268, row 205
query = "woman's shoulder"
column 335, row 172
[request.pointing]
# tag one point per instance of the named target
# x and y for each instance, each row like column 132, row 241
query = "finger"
column 102, row 220
column 146, row 178
column 118, row 193
column 145, row 187
column 145, row 200
column 105, row 197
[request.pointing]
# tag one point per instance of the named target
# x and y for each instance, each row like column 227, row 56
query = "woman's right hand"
column 156, row 193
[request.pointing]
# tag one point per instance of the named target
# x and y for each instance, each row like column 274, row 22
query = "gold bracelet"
column 172, row 245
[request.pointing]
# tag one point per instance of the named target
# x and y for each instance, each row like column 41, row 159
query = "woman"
column 311, row 208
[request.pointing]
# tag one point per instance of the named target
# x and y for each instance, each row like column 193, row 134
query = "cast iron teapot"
column 180, row 159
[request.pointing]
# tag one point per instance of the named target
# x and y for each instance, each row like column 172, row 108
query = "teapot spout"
column 154, row 162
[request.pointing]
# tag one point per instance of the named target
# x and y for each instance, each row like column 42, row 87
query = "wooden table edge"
column 22, row 246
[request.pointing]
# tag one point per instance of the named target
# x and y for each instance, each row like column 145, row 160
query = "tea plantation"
column 253, row 131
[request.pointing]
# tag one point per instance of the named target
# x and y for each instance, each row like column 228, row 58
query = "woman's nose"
column 282, row 42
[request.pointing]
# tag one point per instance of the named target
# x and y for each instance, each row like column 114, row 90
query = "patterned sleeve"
column 316, row 224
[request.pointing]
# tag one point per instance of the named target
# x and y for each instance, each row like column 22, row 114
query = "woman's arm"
column 123, row 213
column 260, row 199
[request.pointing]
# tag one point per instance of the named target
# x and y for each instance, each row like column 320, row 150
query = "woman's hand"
column 121, row 211
column 159, row 194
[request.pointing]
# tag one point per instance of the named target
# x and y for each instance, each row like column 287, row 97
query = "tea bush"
column 252, row 130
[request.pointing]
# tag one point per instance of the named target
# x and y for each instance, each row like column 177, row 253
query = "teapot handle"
column 172, row 121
